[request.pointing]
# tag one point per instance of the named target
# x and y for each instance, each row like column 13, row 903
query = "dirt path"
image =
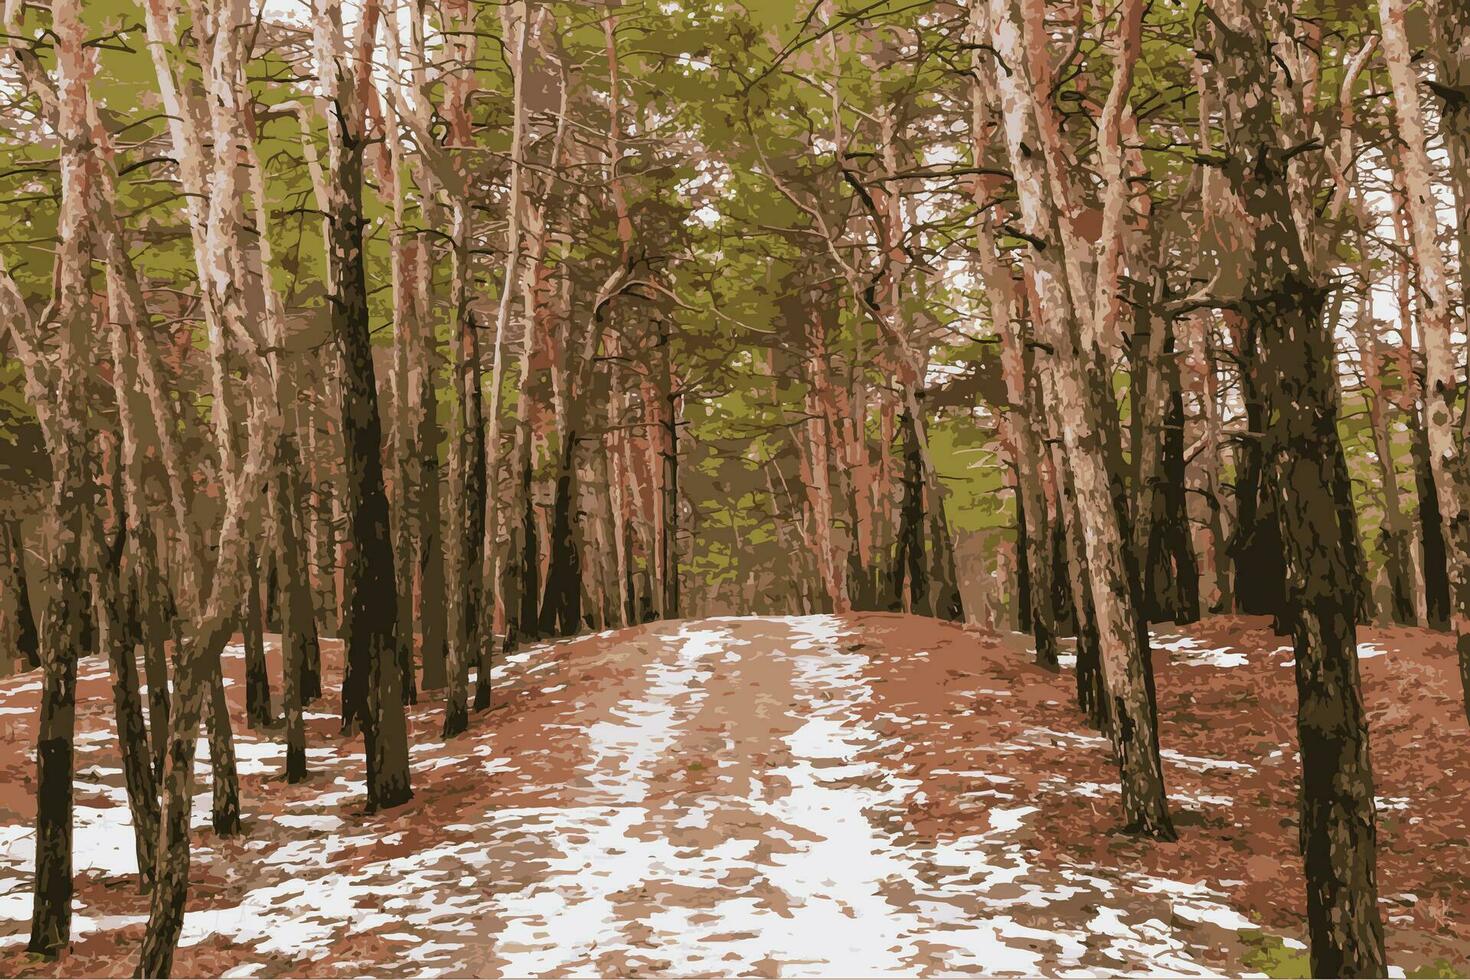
column 748, row 796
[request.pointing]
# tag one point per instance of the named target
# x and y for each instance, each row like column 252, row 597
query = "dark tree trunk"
column 528, row 556
column 1170, row 576
column 1283, row 307
column 224, row 778
column 1352, row 542
column 60, row 641
column 370, row 617
column 170, row 891
column 257, row 679
column 1062, row 606
column 403, row 575
column 1431, row 532
column 272, row 597
column 1024, row 619
column 433, row 622
column 120, row 634
column 311, row 656
column 152, row 600
column 1255, row 545
column 670, row 501
column 1092, row 697
column 27, row 640
column 1037, row 616
column 561, row 603
column 299, row 632
column 944, row 576
column 467, row 495
column 862, row 583
column 908, row 558
column 1337, row 828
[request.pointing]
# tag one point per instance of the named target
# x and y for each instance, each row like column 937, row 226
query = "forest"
column 367, row 366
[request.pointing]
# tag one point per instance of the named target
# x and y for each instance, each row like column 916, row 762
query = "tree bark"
column 118, row 633
column 466, row 491
column 909, row 566
column 1283, row 306
column 60, row 402
column 1127, row 669
column 433, row 610
column 258, row 711
column 370, row 619
column 18, row 593
column 1447, row 461
column 298, row 629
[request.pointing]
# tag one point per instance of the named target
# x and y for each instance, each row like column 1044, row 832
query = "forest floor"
column 812, row 795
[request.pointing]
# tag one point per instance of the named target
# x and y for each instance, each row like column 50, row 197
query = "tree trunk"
column 16, row 588
column 433, row 609
column 1283, row 306
column 1431, row 530
column 908, row 558
column 1450, row 43
column 1087, row 436
column 1255, row 548
column 224, row 779
column 407, row 333
column 1170, row 576
column 466, row 491
column 1337, row 789
column 1447, row 461
column 61, row 632
column 1092, row 695
column 258, row 711
column 298, row 630
column 1396, row 538
column 370, row 619
column 669, row 458
column 561, row 602
column 119, row 634
column 1024, row 606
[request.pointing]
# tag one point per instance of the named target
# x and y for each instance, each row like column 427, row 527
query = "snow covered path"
column 733, row 796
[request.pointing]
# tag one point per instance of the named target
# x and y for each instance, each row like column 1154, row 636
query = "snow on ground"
column 732, row 806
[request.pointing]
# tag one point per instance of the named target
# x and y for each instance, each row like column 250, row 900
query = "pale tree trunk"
column 1403, row 580
column 1092, row 695
column 1446, row 447
column 1283, row 304
column 1434, row 563
column 423, row 350
column 213, row 182
column 433, row 611
column 59, row 398
column 1126, row 668
column 147, row 573
column 1450, row 43
column 407, row 331
column 1000, row 292
column 514, row 18
column 1207, row 391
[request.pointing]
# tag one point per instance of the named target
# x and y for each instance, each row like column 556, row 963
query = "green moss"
column 1270, row 955
column 1439, row 968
